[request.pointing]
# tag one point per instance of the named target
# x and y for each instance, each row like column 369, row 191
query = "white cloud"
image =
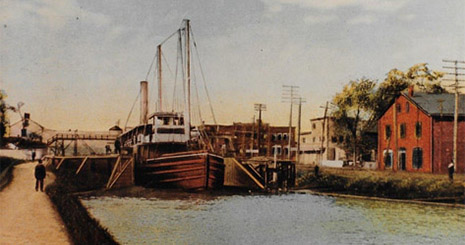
column 318, row 19
column 362, row 19
column 50, row 13
column 408, row 17
column 373, row 5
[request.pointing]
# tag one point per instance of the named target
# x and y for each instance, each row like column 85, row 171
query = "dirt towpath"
column 27, row 216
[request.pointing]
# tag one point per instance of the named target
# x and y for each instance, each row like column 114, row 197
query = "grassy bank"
column 82, row 228
column 6, row 170
column 386, row 184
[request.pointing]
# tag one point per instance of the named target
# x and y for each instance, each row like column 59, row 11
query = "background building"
column 241, row 140
column 416, row 133
column 320, row 145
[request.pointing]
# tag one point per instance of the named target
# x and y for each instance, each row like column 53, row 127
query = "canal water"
column 168, row 218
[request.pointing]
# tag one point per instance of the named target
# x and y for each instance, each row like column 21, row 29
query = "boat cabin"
column 168, row 127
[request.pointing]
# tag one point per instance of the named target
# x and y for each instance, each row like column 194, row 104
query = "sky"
column 77, row 64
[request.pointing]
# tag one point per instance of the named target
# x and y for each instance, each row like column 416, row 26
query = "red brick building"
column 416, row 133
column 241, row 140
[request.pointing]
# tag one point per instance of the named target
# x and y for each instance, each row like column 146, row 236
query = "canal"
column 181, row 218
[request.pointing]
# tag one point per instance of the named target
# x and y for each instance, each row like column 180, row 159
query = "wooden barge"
column 185, row 170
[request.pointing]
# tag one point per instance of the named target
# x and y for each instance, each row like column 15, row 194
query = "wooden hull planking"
column 185, row 170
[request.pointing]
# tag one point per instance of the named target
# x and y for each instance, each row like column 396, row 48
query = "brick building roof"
column 431, row 103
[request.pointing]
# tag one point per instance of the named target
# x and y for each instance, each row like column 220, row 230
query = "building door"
column 402, row 158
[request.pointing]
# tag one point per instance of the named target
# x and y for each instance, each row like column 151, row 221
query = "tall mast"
column 188, row 79
column 160, row 107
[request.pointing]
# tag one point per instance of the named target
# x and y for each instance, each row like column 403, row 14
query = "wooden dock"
column 261, row 175
column 61, row 141
column 118, row 169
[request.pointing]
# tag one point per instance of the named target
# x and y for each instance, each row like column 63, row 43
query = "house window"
column 331, row 153
column 387, row 158
column 280, row 136
column 403, row 130
column 313, row 125
column 398, row 108
column 341, row 139
column 284, row 136
column 303, row 140
column 276, row 149
column 333, row 139
column 418, row 129
column 407, row 107
column 417, row 158
column 387, row 131
column 273, row 137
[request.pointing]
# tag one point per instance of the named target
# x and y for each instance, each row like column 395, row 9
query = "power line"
column 259, row 107
column 456, row 87
column 289, row 95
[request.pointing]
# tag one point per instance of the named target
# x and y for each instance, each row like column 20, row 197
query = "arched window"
column 387, row 158
column 418, row 129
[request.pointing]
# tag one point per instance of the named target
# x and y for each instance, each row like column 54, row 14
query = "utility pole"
column 159, row 54
column 301, row 100
column 259, row 108
column 323, row 130
column 252, row 140
column 290, row 94
column 456, row 87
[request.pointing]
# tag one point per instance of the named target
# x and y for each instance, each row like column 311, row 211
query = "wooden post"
column 298, row 132
column 82, row 165
column 207, row 170
column 394, row 131
column 63, row 147
column 266, row 175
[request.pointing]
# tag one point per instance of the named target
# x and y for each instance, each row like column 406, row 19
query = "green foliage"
column 361, row 104
column 3, row 117
column 396, row 81
column 354, row 115
column 381, row 184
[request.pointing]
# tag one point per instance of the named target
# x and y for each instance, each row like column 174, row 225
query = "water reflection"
column 273, row 219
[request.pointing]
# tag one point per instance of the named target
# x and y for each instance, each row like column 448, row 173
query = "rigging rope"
column 154, row 57
column 203, row 77
column 178, row 57
column 197, row 96
column 130, row 112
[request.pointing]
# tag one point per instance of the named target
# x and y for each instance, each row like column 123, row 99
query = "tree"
column 361, row 104
column 354, row 115
column 3, row 117
column 396, row 81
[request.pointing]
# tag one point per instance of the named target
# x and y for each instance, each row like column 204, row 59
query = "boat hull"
column 190, row 170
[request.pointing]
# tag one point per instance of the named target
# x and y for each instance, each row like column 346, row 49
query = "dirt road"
column 27, row 216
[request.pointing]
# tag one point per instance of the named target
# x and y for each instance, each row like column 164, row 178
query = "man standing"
column 39, row 173
column 117, row 146
column 450, row 167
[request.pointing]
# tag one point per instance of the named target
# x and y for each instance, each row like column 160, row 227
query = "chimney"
column 410, row 90
column 144, row 102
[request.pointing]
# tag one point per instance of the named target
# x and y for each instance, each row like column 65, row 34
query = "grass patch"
column 82, row 228
column 6, row 170
column 387, row 184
